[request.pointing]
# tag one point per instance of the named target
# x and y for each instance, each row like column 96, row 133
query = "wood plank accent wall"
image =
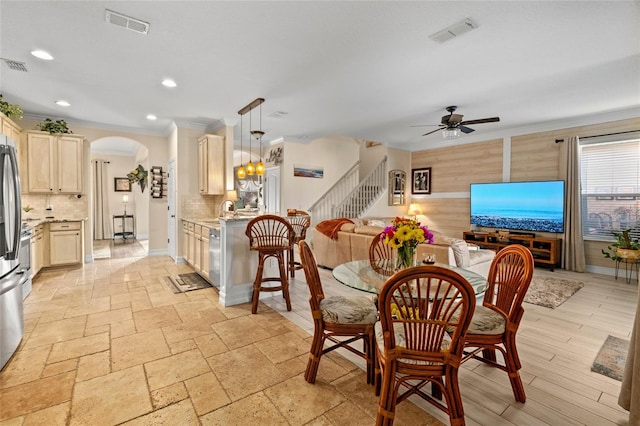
column 481, row 162
column 533, row 157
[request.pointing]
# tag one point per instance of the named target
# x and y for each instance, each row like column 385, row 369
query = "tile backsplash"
column 67, row 206
column 201, row 206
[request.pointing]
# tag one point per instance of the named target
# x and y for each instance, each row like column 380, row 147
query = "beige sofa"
column 353, row 241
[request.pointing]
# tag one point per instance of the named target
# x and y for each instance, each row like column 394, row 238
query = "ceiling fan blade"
column 482, row 120
column 451, row 118
column 424, row 125
column 465, row 129
column 433, row 131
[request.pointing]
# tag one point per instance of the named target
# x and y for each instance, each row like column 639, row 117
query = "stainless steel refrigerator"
column 11, row 274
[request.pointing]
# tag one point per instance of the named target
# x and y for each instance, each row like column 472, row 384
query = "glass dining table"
column 359, row 274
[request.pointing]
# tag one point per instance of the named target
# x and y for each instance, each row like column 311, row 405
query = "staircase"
column 348, row 197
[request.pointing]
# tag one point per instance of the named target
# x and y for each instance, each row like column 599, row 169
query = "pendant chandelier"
column 241, row 173
column 258, row 134
column 250, row 168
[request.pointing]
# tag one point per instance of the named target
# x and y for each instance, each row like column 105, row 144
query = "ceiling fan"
column 452, row 124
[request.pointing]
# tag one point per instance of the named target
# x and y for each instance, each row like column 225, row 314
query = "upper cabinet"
column 53, row 163
column 9, row 128
column 211, row 164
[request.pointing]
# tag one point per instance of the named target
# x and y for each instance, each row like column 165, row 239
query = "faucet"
column 230, row 197
column 222, row 204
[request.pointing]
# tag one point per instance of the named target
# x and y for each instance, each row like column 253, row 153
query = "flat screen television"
column 523, row 206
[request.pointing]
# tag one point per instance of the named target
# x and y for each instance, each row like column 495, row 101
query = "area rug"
column 102, row 249
column 551, row 292
column 611, row 358
column 186, row 282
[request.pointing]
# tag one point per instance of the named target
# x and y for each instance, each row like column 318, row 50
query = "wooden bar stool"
column 270, row 236
column 300, row 222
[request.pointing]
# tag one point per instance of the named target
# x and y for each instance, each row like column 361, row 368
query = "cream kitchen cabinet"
column 189, row 242
column 37, row 249
column 197, row 252
column 211, row 164
column 204, row 252
column 9, row 128
column 65, row 243
column 53, row 163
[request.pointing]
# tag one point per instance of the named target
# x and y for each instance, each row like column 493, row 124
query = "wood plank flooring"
column 556, row 346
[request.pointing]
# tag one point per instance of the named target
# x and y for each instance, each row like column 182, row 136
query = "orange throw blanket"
column 331, row 227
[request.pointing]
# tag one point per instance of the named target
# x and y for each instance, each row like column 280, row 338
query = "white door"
column 272, row 190
column 171, row 210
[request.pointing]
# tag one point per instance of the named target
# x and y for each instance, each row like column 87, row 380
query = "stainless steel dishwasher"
column 215, row 256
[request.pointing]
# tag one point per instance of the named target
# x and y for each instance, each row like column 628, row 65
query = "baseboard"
column 158, row 252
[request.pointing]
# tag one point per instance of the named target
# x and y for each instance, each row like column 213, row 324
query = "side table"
column 124, row 219
column 630, row 265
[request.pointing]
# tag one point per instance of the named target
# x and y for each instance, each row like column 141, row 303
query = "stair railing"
column 322, row 209
column 364, row 195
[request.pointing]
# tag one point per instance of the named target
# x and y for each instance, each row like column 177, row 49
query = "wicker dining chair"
column 495, row 323
column 270, row 236
column 300, row 222
column 424, row 314
column 337, row 317
column 381, row 256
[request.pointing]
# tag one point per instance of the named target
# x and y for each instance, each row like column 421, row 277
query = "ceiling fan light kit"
column 452, row 124
column 451, row 133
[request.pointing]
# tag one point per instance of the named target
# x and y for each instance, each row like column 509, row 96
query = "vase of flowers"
column 404, row 235
column 139, row 175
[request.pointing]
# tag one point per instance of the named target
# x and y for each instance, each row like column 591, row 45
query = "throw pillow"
column 461, row 252
column 376, row 222
column 348, row 227
column 368, row 230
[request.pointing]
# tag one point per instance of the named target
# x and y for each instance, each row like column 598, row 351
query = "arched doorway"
column 119, row 210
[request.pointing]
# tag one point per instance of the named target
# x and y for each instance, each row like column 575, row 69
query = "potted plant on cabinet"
column 54, row 127
column 624, row 249
column 10, row 110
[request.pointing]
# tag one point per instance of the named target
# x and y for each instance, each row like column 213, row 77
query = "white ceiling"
column 362, row 69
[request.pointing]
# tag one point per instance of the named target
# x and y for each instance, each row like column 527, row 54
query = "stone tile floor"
column 108, row 343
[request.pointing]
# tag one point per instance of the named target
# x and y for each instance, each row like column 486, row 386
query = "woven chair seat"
column 352, row 310
column 487, row 321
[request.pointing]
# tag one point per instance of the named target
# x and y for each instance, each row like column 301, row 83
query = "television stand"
column 522, row 234
column 545, row 251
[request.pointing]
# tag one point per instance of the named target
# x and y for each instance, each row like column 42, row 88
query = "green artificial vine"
column 10, row 110
column 53, row 127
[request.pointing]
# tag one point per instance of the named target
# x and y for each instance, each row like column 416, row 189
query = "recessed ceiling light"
column 167, row 82
column 63, row 103
column 41, row 54
column 151, row 117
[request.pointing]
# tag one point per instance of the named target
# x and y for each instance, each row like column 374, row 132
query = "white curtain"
column 573, row 248
column 101, row 218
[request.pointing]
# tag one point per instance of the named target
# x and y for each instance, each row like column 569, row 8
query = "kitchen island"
column 232, row 267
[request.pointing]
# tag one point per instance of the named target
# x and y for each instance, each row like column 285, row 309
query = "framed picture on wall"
column 421, row 181
column 122, row 184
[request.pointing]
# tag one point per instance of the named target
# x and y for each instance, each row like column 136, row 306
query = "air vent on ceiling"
column 454, row 30
column 127, row 22
column 15, row 65
column 278, row 114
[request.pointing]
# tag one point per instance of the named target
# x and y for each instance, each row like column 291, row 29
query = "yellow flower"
column 135, row 171
column 403, row 233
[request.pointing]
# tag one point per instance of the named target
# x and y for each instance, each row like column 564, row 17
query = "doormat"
column 551, row 292
column 612, row 357
column 186, row 282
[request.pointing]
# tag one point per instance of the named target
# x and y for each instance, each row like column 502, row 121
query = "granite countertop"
column 38, row 221
column 215, row 222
